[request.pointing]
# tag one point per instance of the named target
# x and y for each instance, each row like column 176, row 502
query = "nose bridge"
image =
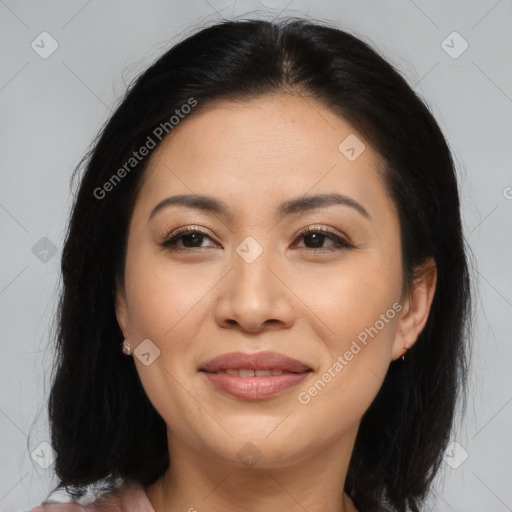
column 252, row 262
column 253, row 294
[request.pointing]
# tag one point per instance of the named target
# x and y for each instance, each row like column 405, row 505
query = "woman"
column 212, row 353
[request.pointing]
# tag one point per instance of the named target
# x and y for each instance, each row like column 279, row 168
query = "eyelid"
column 192, row 227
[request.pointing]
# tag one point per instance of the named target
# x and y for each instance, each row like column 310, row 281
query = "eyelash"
column 168, row 242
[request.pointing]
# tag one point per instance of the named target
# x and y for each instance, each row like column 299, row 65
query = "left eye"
column 316, row 237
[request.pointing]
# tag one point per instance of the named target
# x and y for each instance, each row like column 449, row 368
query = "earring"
column 127, row 349
column 403, row 353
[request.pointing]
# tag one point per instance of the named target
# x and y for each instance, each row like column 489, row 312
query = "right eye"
column 190, row 238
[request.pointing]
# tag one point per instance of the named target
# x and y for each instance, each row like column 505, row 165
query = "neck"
column 201, row 481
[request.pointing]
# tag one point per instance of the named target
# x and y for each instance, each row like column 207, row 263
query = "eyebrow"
column 293, row 206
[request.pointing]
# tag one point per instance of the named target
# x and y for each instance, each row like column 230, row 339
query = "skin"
column 298, row 298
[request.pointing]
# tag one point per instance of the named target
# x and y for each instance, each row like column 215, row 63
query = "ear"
column 416, row 308
column 121, row 307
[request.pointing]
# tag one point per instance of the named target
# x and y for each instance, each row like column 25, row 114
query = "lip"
column 254, row 361
column 254, row 388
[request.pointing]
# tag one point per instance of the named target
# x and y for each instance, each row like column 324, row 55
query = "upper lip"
column 254, row 361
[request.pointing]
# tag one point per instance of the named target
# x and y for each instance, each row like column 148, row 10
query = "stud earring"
column 127, row 349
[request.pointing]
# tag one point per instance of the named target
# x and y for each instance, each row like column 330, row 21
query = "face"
column 201, row 282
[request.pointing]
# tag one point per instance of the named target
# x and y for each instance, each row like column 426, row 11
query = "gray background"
column 51, row 108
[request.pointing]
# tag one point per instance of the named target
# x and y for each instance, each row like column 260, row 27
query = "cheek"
column 161, row 308
column 359, row 311
column 161, row 294
column 354, row 297
column 358, row 359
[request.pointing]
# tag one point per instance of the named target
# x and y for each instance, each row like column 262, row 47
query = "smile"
column 247, row 384
column 248, row 372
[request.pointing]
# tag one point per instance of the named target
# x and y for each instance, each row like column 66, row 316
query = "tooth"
column 277, row 372
column 246, row 373
column 232, row 371
column 262, row 373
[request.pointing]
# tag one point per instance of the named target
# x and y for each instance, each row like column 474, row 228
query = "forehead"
column 255, row 151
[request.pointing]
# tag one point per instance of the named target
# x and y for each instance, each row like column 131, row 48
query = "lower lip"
column 254, row 388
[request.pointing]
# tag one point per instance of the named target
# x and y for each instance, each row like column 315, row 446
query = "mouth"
column 255, row 361
column 249, row 372
column 254, row 376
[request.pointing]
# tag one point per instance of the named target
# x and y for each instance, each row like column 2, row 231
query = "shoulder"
column 129, row 497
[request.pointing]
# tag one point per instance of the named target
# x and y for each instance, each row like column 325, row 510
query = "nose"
column 254, row 297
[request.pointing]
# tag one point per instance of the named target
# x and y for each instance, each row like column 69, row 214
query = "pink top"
column 129, row 497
